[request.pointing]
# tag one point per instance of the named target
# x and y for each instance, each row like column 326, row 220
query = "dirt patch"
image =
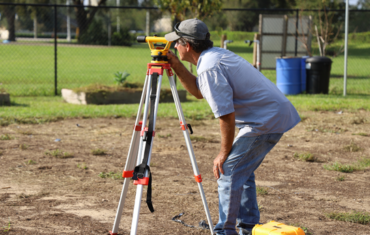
column 44, row 194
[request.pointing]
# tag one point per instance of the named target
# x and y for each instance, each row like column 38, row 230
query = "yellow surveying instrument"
column 159, row 47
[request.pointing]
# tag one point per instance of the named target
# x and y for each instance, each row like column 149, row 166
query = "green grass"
column 306, row 157
column 98, row 152
column 352, row 217
column 59, row 154
column 30, row 162
column 32, row 66
column 6, row 137
column 262, row 191
column 112, row 175
column 337, row 166
column 349, row 168
column 341, row 178
column 29, row 70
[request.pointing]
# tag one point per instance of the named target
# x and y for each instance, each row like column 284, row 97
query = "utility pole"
column 68, row 23
column 118, row 26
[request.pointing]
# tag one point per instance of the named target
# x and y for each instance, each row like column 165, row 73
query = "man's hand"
column 173, row 60
column 217, row 165
column 187, row 79
column 227, row 127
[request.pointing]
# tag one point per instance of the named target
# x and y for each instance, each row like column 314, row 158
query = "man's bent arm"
column 187, row 79
column 227, row 126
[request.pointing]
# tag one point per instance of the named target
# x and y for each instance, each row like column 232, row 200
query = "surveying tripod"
column 142, row 139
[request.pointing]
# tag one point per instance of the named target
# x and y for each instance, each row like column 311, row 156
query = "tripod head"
column 159, row 47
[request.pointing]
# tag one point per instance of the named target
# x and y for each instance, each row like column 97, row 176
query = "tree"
column 84, row 16
column 180, row 9
column 9, row 12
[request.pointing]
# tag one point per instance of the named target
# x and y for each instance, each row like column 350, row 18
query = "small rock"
column 57, row 140
column 289, row 145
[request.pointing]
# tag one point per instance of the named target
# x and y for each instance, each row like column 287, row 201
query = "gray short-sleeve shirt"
column 230, row 84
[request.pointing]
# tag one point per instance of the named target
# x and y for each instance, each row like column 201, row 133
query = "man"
column 239, row 95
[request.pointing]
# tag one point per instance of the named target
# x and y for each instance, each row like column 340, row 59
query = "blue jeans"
column 237, row 188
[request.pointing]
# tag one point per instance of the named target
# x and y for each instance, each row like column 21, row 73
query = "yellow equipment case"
column 275, row 228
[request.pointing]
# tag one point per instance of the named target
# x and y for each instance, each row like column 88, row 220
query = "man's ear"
column 188, row 47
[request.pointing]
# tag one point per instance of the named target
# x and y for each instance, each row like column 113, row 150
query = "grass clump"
column 6, row 137
column 341, row 178
column 307, row 157
column 84, row 167
column 353, row 217
column 363, row 163
column 337, row 166
column 7, row 228
column 262, row 191
column 305, row 229
column 361, row 134
column 97, row 152
column 349, row 168
column 30, row 162
column 59, row 154
column 23, row 146
column 165, row 136
column 112, row 175
column 198, row 138
column 352, row 147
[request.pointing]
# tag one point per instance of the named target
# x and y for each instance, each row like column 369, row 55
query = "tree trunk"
column 85, row 17
column 10, row 16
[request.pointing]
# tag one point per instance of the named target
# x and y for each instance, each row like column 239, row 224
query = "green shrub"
column 353, row 217
column 340, row 167
column 307, row 157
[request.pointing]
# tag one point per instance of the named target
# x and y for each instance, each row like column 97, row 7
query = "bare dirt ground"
column 44, row 194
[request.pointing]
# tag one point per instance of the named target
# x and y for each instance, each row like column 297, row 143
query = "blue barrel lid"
column 319, row 59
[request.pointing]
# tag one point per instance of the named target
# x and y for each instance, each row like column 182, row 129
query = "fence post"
column 55, row 51
column 296, row 32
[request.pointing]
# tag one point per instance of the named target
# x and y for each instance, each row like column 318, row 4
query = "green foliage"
column 98, row 152
column 164, row 136
column 349, row 168
column 361, row 134
column 6, row 137
column 7, row 228
column 352, row 217
column 120, row 77
column 95, row 34
column 23, row 146
column 352, row 147
column 341, row 178
column 84, row 167
column 363, row 163
column 307, row 157
column 30, row 162
column 262, row 191
column 59, row 154
column 336, row 166
column 122, row 38
column 198, row 138
column 111, row 174
column 196, row 8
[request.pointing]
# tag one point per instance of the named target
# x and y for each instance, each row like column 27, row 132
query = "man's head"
column 193, row 32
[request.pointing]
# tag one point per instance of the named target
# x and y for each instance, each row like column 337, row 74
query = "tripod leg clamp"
column 142, row 181
column 127, row 174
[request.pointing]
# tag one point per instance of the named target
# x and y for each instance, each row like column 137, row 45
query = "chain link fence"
column 45, row 48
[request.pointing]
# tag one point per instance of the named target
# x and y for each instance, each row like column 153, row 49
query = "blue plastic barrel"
column 303, row 73
column 288, row 75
